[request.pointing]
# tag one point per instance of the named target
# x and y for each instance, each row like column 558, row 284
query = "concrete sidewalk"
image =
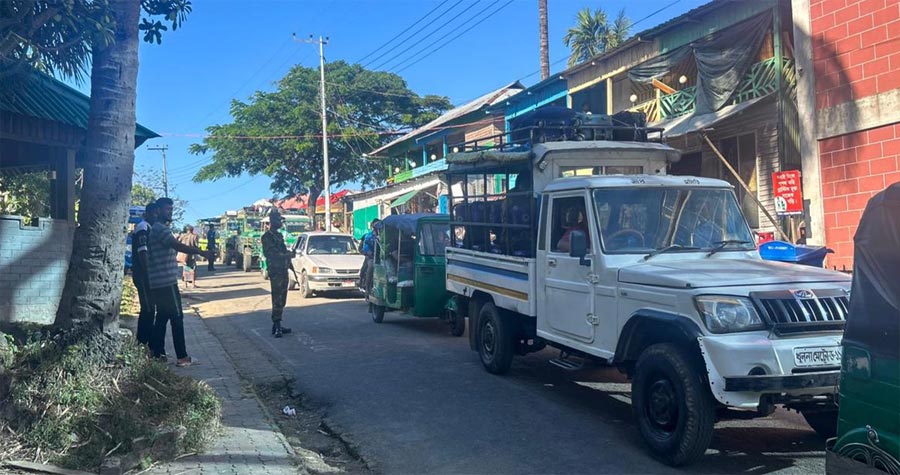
column 250, row 443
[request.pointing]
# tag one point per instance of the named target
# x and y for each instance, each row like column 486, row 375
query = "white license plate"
column 348, row 283
column 817, row 356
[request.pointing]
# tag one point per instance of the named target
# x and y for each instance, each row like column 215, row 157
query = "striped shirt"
column 163, row 267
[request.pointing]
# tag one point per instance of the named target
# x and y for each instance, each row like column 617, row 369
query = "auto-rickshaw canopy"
column 874, row 320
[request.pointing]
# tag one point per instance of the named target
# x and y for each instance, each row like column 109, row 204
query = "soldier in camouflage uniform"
column 278, row 260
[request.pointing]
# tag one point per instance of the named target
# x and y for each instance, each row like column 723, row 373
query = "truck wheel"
column 305, row 291
column 672, row 403
column 378, row 313
column 247, row 261
column 495, row 340
column 457, row 323
column 823, row 422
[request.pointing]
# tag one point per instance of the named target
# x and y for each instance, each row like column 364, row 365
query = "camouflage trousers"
column 279, row 283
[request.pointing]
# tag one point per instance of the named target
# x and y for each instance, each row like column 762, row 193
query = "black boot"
column 278, row 330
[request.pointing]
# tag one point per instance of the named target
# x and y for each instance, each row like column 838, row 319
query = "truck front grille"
column 804, row 310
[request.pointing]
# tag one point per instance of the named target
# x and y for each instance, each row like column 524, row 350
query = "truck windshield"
column 294, row 228
column 638, row 221
column 254, row 224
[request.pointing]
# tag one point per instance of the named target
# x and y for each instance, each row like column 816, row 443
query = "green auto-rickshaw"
column 868, row 428
column 409, row 269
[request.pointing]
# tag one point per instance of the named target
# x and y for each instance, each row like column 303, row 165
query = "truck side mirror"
column 578, row 247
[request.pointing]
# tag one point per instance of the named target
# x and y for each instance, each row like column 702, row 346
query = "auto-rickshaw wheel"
column 457, row 323
column 378, row 313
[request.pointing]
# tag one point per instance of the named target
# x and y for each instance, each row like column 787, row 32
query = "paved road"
column 413, row 399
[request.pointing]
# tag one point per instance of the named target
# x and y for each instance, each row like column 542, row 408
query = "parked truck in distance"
column 588, row 247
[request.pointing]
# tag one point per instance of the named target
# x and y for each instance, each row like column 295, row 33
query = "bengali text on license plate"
column 348, row 283
column 818, row 356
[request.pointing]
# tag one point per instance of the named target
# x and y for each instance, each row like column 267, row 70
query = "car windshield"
column 639, row 221
column 331, row 245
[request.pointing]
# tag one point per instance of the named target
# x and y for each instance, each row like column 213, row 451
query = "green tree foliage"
column 361, row 104
column 25, row 194
column 57, row 36
column 592, row 34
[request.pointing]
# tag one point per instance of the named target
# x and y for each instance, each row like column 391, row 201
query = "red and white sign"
column 788, row 192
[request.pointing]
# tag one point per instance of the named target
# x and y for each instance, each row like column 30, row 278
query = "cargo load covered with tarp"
column 874, row 320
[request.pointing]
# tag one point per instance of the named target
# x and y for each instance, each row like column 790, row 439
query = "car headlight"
column 321, row 270
column 725, row 314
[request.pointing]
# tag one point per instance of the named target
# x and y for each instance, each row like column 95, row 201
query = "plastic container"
column 794, row 253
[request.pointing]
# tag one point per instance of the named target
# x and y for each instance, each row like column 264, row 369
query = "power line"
column 429, row 34
column 441, row 46
column 360, row 60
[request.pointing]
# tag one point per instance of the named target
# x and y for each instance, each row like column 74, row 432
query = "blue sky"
column 231, row 48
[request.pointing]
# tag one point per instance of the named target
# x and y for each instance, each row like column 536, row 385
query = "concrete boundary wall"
column 33, row 265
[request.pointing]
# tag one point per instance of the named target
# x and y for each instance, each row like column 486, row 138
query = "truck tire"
column 247, row 261
column 823, row 422
column 495, row 340
column 672, row 404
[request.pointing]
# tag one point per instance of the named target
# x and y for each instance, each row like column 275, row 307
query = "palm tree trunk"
column 545, row 44
column 94, row 280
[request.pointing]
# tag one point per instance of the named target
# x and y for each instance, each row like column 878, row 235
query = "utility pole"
column 165, row 174
column 322, row 42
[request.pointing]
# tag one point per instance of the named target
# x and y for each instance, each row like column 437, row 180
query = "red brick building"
column 853, row 113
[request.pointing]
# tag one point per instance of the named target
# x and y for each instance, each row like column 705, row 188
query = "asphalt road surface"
column 413, row 399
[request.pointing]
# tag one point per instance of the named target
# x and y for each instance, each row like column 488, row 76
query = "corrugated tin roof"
column 486, row 100
column 36, row 94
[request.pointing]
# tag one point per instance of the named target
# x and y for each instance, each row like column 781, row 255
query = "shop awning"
column 678, row 126
column 402, row 199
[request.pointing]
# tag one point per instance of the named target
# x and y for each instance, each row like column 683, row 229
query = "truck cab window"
column 568, row 214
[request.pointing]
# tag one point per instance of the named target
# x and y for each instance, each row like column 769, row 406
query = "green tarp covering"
column 404, row 198
column 361, row 219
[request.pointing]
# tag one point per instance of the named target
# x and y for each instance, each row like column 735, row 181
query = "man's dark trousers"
column 211, row 266
column 279, row 283
column 148, row 311
column 168, row 310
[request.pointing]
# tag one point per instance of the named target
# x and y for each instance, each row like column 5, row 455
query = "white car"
column 325, row 262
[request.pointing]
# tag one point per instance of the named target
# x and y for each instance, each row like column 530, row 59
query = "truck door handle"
column 551, row 262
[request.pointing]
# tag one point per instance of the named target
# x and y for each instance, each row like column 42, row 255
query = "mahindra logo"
column 803, row 294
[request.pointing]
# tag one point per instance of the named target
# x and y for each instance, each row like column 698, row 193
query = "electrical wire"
column 431, row 33
column 360, row 60
column 442, row 45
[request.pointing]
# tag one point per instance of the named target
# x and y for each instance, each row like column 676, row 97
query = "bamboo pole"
column 746, row 188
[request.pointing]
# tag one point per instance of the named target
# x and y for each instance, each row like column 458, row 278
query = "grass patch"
column 130, row 306
column 80, row 395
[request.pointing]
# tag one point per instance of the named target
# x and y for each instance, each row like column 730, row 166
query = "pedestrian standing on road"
column 211, row 247
column 164, row 285
column 140, row 241
column 278, row 262
column 368, row 250
column 188, row 261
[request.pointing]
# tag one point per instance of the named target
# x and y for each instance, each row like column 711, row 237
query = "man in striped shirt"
column 164, row 284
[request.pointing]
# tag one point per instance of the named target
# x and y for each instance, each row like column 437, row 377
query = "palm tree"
column 593, row 35
column 545, row 45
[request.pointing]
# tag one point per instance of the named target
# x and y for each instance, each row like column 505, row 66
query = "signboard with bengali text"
column 788, row 192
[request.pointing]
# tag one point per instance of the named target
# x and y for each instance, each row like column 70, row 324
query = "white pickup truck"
column 596, row 252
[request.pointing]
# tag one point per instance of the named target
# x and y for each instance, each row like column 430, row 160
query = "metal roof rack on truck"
column 561, row 124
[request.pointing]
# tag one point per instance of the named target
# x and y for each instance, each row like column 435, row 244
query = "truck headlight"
column 321, row 270
column 726, row 314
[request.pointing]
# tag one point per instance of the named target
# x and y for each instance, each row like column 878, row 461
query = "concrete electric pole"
column 322, row 42
column 165, row 174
